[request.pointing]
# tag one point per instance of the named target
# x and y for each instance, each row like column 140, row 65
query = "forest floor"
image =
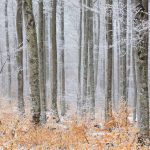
column 71, row 134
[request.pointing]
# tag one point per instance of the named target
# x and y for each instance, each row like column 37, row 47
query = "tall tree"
column 7, row 48
column 19, row 24
column 85, row 60
column 42, row 63
column 62, row 62
column 80, row 58
column 122, row 58
column 31, row 39
column 91, row 83
column 97, row 46
column 54, row 60
column 141, row 30
column 123, row 51
column 109, row 37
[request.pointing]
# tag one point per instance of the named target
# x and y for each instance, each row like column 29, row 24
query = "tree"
column 62, row 62
column 7, row 48
column 85, row 61
column 97, row 46
column 42, row 63
column 109, row 36
column 122, row 59
column 80, row 59
column 141, row 30
column 123, row 51
column 19, row 24
column 54, row 60
column 91, row 83
column 31, row 39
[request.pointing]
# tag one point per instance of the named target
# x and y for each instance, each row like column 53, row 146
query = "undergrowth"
column 19, row 133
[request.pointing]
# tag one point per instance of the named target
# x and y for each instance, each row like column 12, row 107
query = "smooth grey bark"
column 91, row 83
column 54, row 61
column 122, row 59
column 31, row 39
column 8, row 49
column 85, row 61
column 97, row 47
column 79, row 59
column 109, row 37
column 19, row 26
column 141, row 30
column 62, row 62
column 42, row 63
column 135, row 85
column 123, row 51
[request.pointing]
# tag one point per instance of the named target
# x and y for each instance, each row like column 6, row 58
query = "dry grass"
column 19, row 133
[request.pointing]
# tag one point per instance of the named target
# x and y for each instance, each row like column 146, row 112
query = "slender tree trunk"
column 62, row 61
column 91, row 88
column 135, row 85
column 31, row 38
column 141, row 30
column 123, row 51
column 109, row 36
column 79, row 59
column 42, row 63
column 7, row 49
column 19, row 24
column 85, row 60
column 54, row 60
column 97, row 47
column 122, row 61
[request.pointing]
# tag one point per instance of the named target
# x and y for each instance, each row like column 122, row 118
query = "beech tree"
column 141, row 30
column 31, row 39
column 19, row 24
column 42, row 63
column 109, row 28
column 54, row 60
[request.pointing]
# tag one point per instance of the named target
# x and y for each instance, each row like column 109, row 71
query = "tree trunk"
column 62, row 62
column 54, row 60
column 123, row 51
column 91, row 85
column 79, row 59
column 141, row 30
column 122, row 61
column 42, row 63
column 31, row 38
column 97, row 47
column 7, row 49
column 85, row 61
column 19, row 24
column 109, row 36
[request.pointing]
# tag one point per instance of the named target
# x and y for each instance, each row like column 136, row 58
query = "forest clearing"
column 74, row 75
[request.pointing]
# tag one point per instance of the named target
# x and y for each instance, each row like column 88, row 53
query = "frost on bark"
column 109, row 37
column 123, row 50
column 62, row 62
column 79, row 59
column 19, row 25
column 91, row 83
column 54, row 61
column 97, row 47
column 8, row 49
column 31, row 39
column 141, row 33
column 85, row 61
column 42, row 63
